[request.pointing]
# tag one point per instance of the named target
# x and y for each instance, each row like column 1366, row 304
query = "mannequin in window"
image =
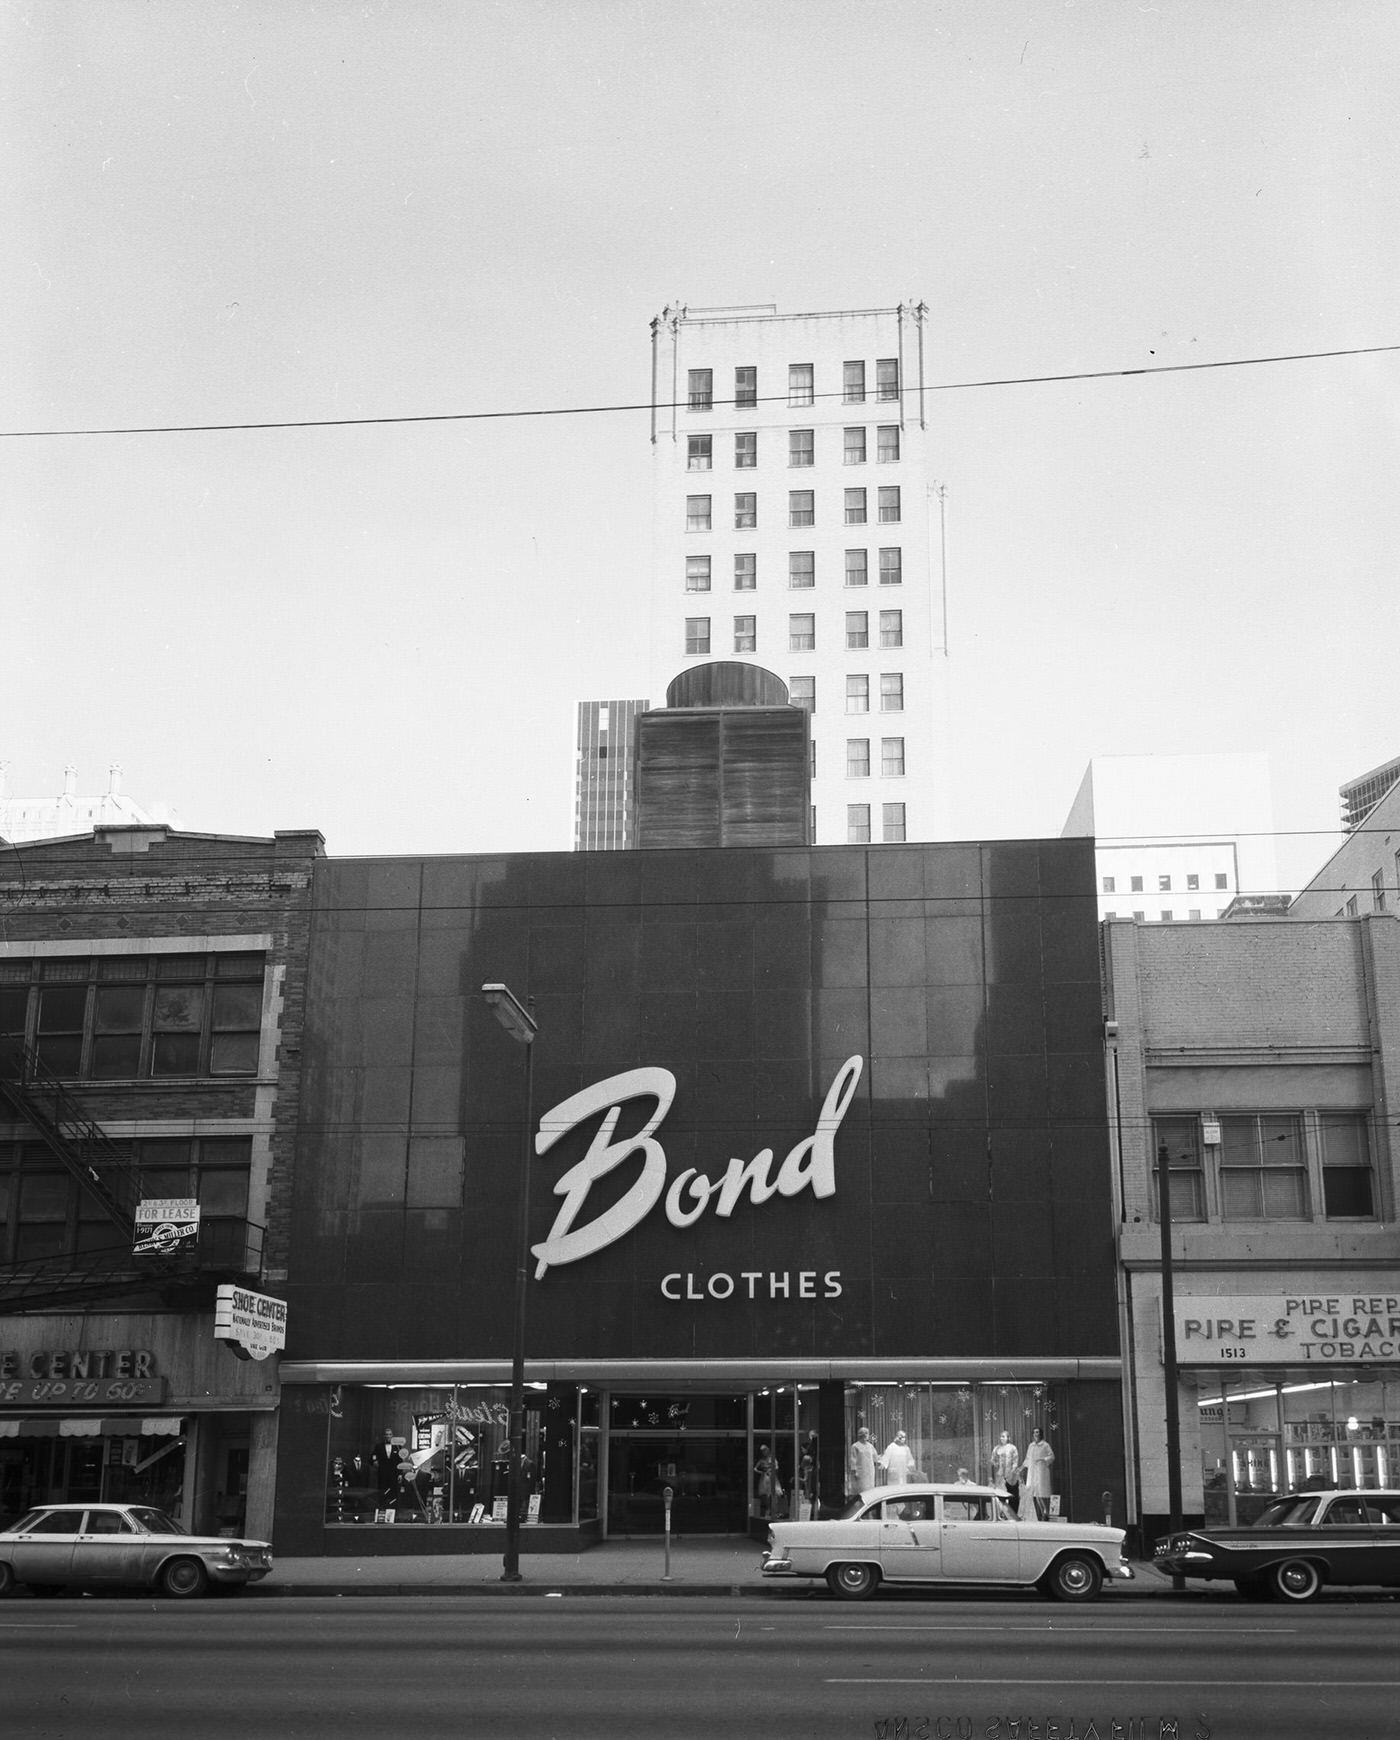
column 897, row 1461
column 385, row 1457
column 769, row 1487
column 861, row 1462
column 1006, row 1470
column 1035, row 1472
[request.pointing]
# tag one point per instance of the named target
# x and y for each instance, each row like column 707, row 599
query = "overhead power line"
column 649, row 405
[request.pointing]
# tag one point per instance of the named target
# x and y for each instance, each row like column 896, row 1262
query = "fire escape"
column 225, row 1249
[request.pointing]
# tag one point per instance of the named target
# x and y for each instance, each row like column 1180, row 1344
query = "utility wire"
column 667, row 405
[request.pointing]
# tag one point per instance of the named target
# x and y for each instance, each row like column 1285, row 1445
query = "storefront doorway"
column 695, row 1444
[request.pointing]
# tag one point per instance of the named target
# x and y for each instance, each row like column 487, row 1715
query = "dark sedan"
column 107, row 1546
column 1297, row 1545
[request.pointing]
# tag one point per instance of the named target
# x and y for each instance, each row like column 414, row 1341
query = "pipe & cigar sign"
column 809, row 1165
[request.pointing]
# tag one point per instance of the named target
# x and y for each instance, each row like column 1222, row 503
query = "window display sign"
column 165, row 1224
column 253, row 1324
column 1346, row 1328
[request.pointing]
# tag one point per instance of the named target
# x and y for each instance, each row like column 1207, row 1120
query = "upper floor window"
column 892, row 757
column 1164, row 884
column 1192, row 882
column 892, row 692
column 701, row 389
column 887, row 378
column 802, row 507
column 801, row 446
column 745, row 634
column 745, row 511
column 800, row 384
column 1267, row 1166
column 857, row 758
column 1110, row 885
column 893, row 817
column 1378, row 890
column 891, row 567
column 853, row 447
column 802, row 632
column 117, row 1017
column 802, row 692
column 1221, row 879
column 856, row 568
column 802, row 568
column 746, row 450
column 891, row 628
column 697, row 513
column 889, row 502
column 858, row 693
column 697, row 573
column 745, row 571
column 746, row 387
column 857, row 824
column 699, row 451
column 853, row 383
column 697, row 634
column 855, row 507
column 887, row 443
column 857, row 628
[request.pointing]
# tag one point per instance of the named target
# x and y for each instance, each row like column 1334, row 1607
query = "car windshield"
column 1287, row 1513
column 27, row 1521
column 854, row 1509
column 155, row 1522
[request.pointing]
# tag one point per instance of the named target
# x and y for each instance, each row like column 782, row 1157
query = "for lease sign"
column 1344, row 1328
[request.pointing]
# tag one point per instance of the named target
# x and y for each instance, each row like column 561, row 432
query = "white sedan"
column 944, row 1533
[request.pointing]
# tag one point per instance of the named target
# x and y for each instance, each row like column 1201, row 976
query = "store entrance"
column 696, row 1445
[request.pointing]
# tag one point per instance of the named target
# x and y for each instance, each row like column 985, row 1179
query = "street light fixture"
column 519, row 1021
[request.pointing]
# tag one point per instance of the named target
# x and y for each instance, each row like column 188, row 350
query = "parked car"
column 108, row 1546
column 944, row 1534
column 1295, row 1546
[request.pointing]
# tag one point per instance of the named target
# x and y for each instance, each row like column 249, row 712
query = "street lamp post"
column 519, row 1022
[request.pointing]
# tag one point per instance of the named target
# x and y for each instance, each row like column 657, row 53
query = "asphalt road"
column 1005, row 1668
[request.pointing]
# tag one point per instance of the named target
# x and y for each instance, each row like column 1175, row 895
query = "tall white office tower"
column 796, row 526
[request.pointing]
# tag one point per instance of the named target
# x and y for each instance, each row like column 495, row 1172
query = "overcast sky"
column 308, row 209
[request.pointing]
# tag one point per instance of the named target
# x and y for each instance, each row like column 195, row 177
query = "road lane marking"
column 1177, row 1681
column 1086, row 1631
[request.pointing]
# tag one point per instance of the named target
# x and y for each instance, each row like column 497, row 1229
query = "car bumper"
column 236, row 1573
column 1122, row 1571
column 773, row 1566
column 1188, row 1565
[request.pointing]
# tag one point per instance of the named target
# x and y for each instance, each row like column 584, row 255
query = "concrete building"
column 1363, row 874
column 1177, row 837
column 1263, row 1059
column 1360, row 796
column 605, row 764
column 792, row 528
column 152, row 990
column 50, row 817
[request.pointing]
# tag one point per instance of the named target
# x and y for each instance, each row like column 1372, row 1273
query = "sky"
column 469, row 211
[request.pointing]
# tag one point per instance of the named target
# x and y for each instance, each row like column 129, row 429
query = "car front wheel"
column 1075, row 1577
column 183, row 1579
column 1294, row 1580
column 852, row 1582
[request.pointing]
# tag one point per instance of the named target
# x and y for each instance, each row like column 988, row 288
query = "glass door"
column 696, row 1445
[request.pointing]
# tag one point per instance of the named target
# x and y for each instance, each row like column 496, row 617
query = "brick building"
column 1262, row 1058
column 152, row 989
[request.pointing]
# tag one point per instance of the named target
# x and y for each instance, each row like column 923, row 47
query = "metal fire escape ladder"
column 110, row 1176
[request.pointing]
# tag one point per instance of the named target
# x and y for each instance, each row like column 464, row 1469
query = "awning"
column 95, row 1426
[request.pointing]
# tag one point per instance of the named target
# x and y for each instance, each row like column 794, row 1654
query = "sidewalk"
column 723, row 1565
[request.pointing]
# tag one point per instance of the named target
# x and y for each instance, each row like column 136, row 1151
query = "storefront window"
column 932, row 1431
column 1294, row 1433
column 409, row 1454
column 49, row 1462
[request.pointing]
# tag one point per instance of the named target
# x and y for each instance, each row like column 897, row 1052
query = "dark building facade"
column 726, row 762
column 819, row 1143
column 152, row 985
